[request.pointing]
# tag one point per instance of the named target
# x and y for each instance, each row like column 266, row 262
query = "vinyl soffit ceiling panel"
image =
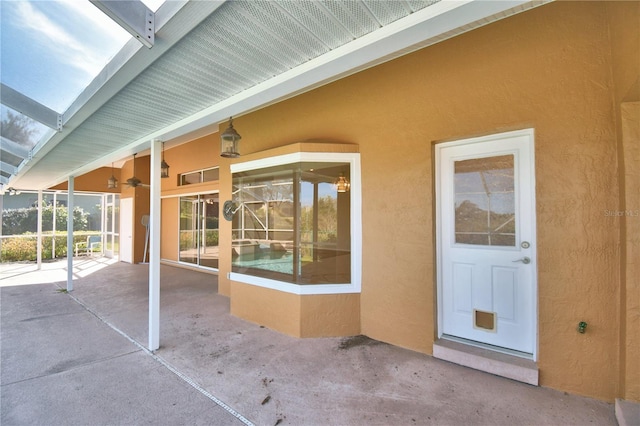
column 240, row 47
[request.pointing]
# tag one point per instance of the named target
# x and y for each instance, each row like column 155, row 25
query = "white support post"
column 70, row 235
column 154, row 247
column 39, row 232
column 53, row 225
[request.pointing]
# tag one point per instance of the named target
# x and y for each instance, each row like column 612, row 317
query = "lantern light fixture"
column 229, row 142
column 112, row 182
column 164, row 167
column 342, row 184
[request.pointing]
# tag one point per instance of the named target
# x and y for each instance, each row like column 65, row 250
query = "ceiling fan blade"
column 133, row 182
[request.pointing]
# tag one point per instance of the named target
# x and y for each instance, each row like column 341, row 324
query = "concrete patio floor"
column 79, row 358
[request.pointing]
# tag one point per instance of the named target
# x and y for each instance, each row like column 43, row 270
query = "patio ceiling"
column 212, row 60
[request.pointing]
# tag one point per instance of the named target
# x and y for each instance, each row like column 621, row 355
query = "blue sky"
column 52, row 49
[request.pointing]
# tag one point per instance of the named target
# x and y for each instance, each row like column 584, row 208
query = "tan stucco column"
column 630, row 318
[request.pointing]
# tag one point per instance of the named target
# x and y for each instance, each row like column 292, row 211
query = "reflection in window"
column 199, row 230
column 21, row 130
column 292, row 225
column 199, row 176
column 485, row 201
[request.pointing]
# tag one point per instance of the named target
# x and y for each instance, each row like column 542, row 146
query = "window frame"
column 201, row 173
column 199, row 195
column 355, row 198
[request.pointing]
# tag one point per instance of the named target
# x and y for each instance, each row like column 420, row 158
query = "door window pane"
column 485, row 201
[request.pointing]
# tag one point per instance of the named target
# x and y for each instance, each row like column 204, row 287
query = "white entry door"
column 486, row 238
column 126, row 230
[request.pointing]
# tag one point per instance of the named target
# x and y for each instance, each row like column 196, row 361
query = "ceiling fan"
column 133, row 181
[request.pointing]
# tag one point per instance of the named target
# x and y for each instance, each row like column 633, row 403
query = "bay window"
column 293, row 227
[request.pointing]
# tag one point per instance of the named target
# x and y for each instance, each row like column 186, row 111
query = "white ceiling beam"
column 29, row 107
column 7, row 168
column 132, row 15
column 13, row 148
column 174, row 19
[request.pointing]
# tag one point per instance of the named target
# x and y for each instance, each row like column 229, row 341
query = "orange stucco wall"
column 141, row 203
column 169, row 229
column 201, row 153
column 623, row 20
column 550, row 69
column 630, row 216
column 94, row 181
column 625, row 37
column 299, row 316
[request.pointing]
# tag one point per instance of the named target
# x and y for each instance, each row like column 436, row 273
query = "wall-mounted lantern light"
column 342, row 184
column 164, row 167
column 229, row 142
column 112, row 182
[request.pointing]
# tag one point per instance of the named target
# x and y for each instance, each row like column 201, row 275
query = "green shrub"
column 19, row 249
column 25, row 220
column 187, row 238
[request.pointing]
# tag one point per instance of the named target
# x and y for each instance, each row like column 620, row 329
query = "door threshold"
column 487, row 360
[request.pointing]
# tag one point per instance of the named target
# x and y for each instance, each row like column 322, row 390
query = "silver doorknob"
column 524, row 260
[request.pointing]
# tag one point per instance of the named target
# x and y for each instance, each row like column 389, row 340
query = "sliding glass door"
column 199, row 230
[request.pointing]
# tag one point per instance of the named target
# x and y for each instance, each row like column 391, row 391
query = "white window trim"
column 355, row 194
column 201, row 172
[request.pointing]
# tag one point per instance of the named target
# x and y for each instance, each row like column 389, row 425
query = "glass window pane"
column 189, row 229
column 19, row 129
column 87, row 214
column 292, row 224
column 189, row 178
column 211, row 175
column 485, row 201
column 209, row 252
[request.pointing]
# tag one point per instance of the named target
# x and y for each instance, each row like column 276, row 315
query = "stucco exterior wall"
column 141, row 203
column 624, row 19
column 201, row 153
column 549, row 69
column 630, row 215
column 94, row 181
column 169, row 247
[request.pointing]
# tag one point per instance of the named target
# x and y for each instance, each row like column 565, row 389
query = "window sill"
column 294, row 288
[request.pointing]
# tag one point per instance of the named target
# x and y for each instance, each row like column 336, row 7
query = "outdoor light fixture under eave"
column 229, row 142
column 342, row 184
column 112, row 182
column 164, row 167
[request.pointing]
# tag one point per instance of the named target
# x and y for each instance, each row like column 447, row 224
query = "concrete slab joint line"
column 168, row 366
